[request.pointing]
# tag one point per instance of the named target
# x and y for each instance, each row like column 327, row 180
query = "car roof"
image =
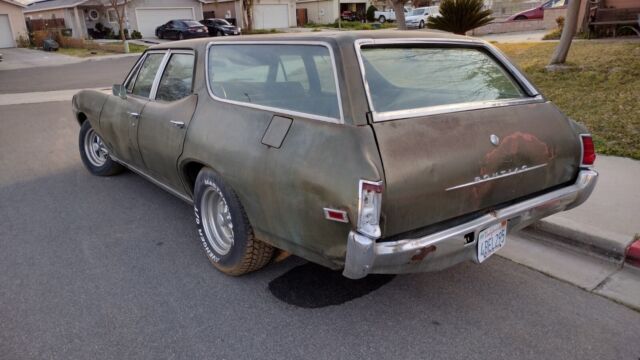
column 337, row 37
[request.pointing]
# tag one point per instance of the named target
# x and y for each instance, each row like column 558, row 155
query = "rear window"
column 403, row 78
column 297, row 78
column 191, row 23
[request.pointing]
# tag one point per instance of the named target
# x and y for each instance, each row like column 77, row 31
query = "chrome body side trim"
column 450, row 246
column 502, row 175
column 158, row 183
column 534, row 94
column 339, row 120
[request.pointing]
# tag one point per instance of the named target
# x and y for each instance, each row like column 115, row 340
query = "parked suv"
column 418, row 17
column 428, row 155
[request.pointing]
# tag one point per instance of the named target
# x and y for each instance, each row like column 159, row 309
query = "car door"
column 119, row 119
column 166, row 117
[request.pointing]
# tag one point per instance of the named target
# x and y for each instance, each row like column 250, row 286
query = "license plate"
column 491, row 240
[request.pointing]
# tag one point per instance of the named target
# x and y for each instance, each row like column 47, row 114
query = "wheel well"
column 190, row 172
column 81, row 118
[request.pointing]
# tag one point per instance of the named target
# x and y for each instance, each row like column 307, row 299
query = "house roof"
column 12, row 2
column 52, row 5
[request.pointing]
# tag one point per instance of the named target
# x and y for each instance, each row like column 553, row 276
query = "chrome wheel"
column 95, row 149
column 216, row 220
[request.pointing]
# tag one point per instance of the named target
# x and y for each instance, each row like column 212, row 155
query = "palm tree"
column 460, row 16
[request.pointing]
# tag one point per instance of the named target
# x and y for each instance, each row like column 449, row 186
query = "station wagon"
column 365, row 152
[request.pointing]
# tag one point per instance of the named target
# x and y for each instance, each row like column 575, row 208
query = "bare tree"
column 119, row 7
column 247, row 7
column 398, row 8
column 568, row 30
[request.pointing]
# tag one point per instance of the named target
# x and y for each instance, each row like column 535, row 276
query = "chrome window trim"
column 162, row 68
column 532, row 92
column 339, row 120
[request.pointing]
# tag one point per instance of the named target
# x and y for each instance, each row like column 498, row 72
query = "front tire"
column 520, row 17
column 224, row 229
column 180, row 36
column 421, row 26
column 219, row 33
column 94, row 153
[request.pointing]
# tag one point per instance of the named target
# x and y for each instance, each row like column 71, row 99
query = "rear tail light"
column 588, row 150
column 370, row 204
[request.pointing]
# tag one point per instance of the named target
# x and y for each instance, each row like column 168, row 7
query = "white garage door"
column 150, row 19
column 6, row 39
column 271, row 16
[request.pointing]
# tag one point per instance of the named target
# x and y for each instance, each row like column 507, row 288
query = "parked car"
column 220, row 27
column 537, row 12
column 438, row 150
column 418, row 17
column 350, row 16
column 181, row 29
column 388, row 15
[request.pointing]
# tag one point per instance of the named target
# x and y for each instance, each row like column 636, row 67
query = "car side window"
column 177, row 78
column 280, row 76
column 147, row 74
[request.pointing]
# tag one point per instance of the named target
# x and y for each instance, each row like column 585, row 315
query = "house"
column 81, row 16
column 267, row 14
column 12, row 24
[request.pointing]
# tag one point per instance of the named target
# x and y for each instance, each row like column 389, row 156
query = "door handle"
column 134, row 115
column 178, row 124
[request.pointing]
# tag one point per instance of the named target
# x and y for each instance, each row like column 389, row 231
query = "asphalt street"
column 87, row 74
column 111, row 268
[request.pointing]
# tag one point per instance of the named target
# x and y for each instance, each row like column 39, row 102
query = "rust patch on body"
column 422, row 253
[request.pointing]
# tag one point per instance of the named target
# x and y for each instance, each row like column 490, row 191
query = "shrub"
column 135, row 34
column 460, row 16
column 371, row 13
column 23, row 41
column 560, row 22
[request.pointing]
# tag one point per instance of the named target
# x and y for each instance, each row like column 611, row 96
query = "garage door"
column 271, row 16
column 150, row 19
column 6, row 39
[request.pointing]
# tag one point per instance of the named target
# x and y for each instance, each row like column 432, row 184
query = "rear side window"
column 297, row 78
column 177, row 78
column 402, row 78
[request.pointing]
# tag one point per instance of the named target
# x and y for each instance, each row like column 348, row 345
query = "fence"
column 45, row 24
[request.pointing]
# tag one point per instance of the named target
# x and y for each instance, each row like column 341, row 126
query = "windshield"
column 417, row 12
column 402, row 78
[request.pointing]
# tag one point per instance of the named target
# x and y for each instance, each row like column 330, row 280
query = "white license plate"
column 491, row 240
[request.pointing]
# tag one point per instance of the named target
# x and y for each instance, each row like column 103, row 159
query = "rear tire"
column 94, row 153
column 180, row 36
column 382, row 19
column 224, row 229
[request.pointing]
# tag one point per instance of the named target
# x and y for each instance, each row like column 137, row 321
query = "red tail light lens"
column 588, row 150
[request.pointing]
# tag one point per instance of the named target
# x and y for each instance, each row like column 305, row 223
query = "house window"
column 112, row 16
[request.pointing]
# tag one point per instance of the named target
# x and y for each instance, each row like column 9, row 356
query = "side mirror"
column 119, row 90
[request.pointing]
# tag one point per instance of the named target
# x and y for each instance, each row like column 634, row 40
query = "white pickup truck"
column 388, row 15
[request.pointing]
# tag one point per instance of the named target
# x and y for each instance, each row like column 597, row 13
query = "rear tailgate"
column 459, row 130
column 443, row 166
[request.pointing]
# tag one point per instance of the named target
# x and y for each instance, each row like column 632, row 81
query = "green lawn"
column 602, row 89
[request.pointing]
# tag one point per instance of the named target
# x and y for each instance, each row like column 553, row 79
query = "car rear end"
column 471, row 152
column 194, row 29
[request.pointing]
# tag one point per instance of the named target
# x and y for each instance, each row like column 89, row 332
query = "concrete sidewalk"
column 21, row 58
column 609, row 221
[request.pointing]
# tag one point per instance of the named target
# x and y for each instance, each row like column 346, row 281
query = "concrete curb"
column 586, row 237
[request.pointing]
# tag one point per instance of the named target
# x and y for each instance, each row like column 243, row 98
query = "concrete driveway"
column 20, row 58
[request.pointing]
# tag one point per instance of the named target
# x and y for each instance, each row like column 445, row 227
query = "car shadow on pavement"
column 315, row 286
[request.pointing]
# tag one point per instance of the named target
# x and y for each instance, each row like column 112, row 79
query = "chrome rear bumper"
column 449, row 247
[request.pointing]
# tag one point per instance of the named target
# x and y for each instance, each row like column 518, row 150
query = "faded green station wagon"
column 368, row 152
